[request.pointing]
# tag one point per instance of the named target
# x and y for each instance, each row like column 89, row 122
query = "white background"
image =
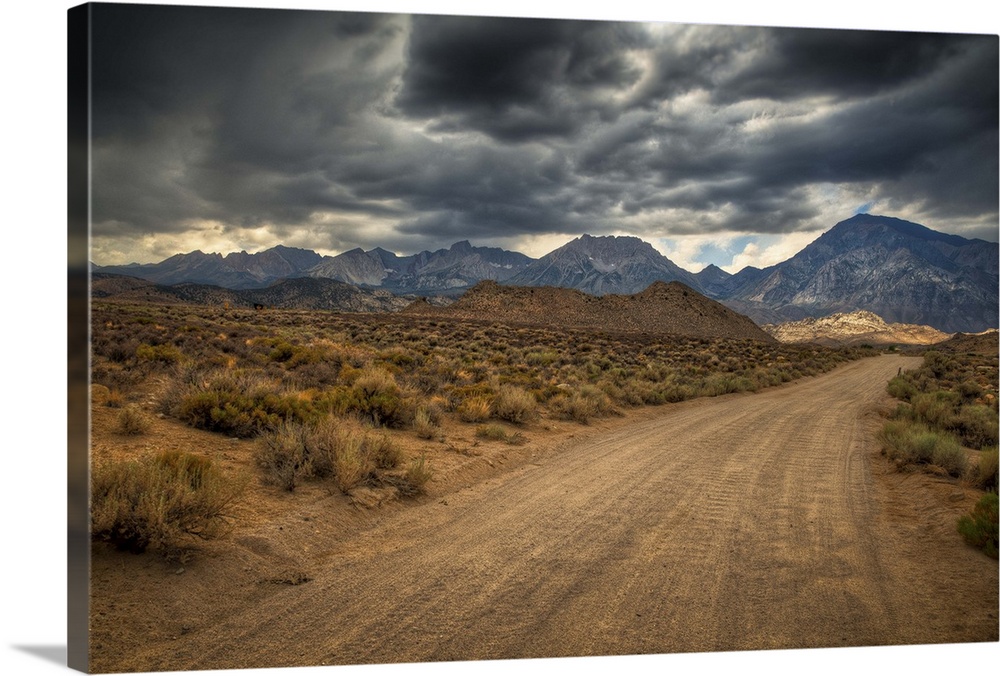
column 33, row 348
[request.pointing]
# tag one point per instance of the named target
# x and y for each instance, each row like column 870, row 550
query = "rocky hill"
column 601, row 265
column 987, row 342
column 853, row 328
column 901, row 271
column 662, row 308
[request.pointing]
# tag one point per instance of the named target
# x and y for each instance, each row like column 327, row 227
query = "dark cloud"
column 791, row 63
column 357, row 129
column 516, row 79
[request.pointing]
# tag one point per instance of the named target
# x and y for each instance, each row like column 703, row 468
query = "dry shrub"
column 154, row 502
column 283, row 456
column 514, row 404
column 582, row 404
column 476, row 408
column 346, row 450
column 415, row 479
column 132, row 421
column 424, row 425
column 984, row 472
column 114, row 399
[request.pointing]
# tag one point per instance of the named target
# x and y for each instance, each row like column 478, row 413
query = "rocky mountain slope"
column 457, row 267
column 901, row 271
column 854, row 328
column 601, row 265
column 662, row 308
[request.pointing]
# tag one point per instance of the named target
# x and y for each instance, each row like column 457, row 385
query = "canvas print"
column 415, row 338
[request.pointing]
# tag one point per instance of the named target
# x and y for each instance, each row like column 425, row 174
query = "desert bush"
column 132, row 421
column 515, row 405
column 423, row 425
column 582, row 404
column 114, row 399
column 984, row 473
column 901, row 387
column 245, row 404
column 349, row 451
column 154, row 502
column 352, row 465
column 950, row 457
column 476, row 408
column 979, row 527
column 283, row 456
column 415, row 479
column 976, row 425
column 166, row 354
column 935, row 408
column 376, row 396
column 909, row 442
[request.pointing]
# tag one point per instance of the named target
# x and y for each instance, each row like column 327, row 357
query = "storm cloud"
column 227, row 129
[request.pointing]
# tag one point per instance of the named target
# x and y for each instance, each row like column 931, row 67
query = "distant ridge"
column 297, row 293
column 662, row 308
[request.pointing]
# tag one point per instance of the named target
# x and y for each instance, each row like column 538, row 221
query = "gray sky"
column 226, row 129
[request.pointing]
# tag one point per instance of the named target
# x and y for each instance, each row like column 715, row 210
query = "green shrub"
column 977, row 425
column 154, row 502
column 909, row 442
column 979, row 527
column 242, row 404
column 935, row 408
column 166, row 354
column 901, row 387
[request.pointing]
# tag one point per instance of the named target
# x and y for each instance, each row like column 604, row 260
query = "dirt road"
column 742, row 522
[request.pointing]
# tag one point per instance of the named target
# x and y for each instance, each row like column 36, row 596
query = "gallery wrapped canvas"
column 414, row 338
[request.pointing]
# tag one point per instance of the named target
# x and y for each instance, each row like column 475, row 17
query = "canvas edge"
column 78, row 328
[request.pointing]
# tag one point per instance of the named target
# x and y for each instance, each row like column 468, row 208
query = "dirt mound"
column 667, row 308
column 986, row 342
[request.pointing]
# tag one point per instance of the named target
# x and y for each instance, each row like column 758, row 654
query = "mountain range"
column 902, row 271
